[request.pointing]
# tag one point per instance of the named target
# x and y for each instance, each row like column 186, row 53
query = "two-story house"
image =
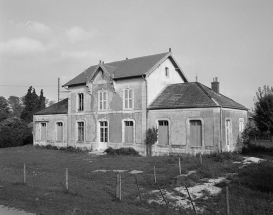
column 113, row 104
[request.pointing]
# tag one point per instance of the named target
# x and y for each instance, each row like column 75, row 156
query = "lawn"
column 93, row 192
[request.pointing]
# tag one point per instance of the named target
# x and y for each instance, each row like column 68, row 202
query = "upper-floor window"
column 81, row 102
column 167, row 72
column 102, row 100
column 80, row 131
column 128, row 98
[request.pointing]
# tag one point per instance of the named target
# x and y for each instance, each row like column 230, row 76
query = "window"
column 59, row 135
column 81, row 102
column 102, row 100
column 241, row 128
column 163, row 132
column 228, row 133
column 128, row 99
column 80, row 131
column 166, row 72
column 43, row 131
column 128, row 131
column 104, row 131
column 196, row 133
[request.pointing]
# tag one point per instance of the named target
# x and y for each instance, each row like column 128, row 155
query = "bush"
column 220, row 157
column 252, row 148
column 151, row 138
column 14, row 132
column 122, row 151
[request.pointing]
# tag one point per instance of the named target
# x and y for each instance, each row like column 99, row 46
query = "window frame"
column 123, row 129
column 80, row 102
column 56, row 131
column 231, row 133
column 126, row 101
column 167, row 72
column 77, row 130
column 169, row 130
column 41, row 131
column 203, row 132
column 241, row 120
column 99, row 130
column 102, row 100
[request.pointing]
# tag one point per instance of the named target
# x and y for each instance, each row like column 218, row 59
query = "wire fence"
column 139, row 188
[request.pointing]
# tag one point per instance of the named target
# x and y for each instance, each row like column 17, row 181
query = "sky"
column 43, row 40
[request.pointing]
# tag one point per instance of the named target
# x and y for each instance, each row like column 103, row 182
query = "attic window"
column 166, row 72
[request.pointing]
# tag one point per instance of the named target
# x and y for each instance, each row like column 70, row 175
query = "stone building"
column 113, row 104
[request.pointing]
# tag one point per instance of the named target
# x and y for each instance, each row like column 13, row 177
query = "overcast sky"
column 42, row 40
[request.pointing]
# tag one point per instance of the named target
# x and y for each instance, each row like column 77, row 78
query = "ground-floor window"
column 195, row 133
column 80, row 131
column 241, row 128
column 163, row 132
column 228, row 132
column 104, row 131
column 128, row 131
column 59, row 134
column 43, row 131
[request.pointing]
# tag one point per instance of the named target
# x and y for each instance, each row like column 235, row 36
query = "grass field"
column 93, row 192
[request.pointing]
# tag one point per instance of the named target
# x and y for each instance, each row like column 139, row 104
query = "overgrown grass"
column 93, row 192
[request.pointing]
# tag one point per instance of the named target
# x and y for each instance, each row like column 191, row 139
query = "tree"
column 42, row 101
column 263, row 110
column 14, row 132
column 4, row 109
column 151, row 138
column 16, row 106
column 31, row 102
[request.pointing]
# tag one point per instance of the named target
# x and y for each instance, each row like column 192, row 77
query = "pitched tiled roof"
column 122, row 69
column 57, row 108
column 192, row 95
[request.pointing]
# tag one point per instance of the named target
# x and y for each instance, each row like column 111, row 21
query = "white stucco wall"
column 157, row 80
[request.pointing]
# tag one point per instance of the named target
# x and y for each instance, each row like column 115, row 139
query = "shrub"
column 14, row 132
column 122, row 151
column 252, row 148
column 151, row 138
column 220, row 157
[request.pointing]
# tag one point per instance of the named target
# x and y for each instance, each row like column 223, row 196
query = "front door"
column 103, row 135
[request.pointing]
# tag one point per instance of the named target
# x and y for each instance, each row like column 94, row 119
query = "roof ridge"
column 202, row 88
column 135, row 58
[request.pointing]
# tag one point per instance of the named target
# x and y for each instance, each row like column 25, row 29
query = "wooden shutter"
column 43, row 131
column 59, row 131
column 163, row 132
column 129, row 132
column 195, row 133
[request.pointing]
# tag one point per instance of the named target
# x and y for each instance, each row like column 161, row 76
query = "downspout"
column 146, row 119
column 221, row 123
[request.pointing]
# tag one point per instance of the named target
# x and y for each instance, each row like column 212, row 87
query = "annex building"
column 113, row 104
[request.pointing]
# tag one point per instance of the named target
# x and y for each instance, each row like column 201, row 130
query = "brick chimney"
column 215, row 85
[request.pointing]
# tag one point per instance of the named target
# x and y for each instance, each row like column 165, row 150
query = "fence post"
column 138, row 189
column 201, row 160
column 190, row 199
column 25, row 173
column 179, row 163
column 154, row 175
column 227, row 200
column 119, row 186
column 66, row 179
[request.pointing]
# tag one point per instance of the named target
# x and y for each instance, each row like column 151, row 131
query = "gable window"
column 80, row 131
column 166, row 72
column 163, row 132
column 241, row 128
column 128, row 98
column 102, row 100
column 81, row 102
column 43, row 131
column 196, row 133
column 59, row 132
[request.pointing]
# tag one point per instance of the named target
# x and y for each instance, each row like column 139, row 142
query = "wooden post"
column 66, row 179
column 25, row 173
column 201, row 160
column 162, row 195
column 119, row 186
column 154, row 175
column 227, row 200
column 179, row 166
column 138, row 190
column 190, row 199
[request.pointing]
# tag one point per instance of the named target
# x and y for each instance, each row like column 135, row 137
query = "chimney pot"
column 127, row 58
column 170, row 49
column 215, row 85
